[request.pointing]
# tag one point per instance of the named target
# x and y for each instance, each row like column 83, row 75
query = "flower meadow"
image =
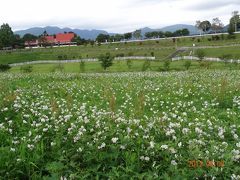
column 169, row 125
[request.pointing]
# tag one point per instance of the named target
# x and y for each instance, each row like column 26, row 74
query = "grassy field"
column 121, row 66
column 170, row 125
column 160, row 48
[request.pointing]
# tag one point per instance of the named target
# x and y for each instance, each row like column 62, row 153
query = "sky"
column 116, row 16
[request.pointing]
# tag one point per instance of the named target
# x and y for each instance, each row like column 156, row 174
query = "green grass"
column 161, row 49
column 234, row 51
column 121, row 66
column 120, row 125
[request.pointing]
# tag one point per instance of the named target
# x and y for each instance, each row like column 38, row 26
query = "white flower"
column 164, row 146
column 102, row 146
column 238, row 144
column 147, row 158
column 122, row 147
column 79, row 150
column 13, row 149
column 152, row 144
column 180, row 144
column 173, row 162
column 114, row 140
column 235, row 136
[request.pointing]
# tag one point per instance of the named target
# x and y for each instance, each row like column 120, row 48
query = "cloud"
column 206, row 5
column 112, row 15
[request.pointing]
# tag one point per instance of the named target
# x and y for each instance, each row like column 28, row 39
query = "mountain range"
column 92, row 34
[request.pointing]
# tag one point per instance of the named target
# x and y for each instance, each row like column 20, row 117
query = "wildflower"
column 114, row 140
column 102, row 146
column 238, row 144
column 152, row 144
column 180, row 144
column 164, row 146
column 174, row 163
column 146, row 158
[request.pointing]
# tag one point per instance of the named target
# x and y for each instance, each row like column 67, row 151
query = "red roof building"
column 64, row 38
column 58, row 39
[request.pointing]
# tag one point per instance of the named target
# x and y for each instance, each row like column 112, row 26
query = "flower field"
column 173, row 125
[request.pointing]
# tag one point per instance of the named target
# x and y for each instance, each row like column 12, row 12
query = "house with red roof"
column 52, row 40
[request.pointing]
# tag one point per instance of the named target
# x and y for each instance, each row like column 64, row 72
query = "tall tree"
column 204, row 26
column 185, row 32
column 217, row 25
column 137, row 34
column 197, row 25
column 6, row 36
column 102, row 38
column 128, row 36
column 234, row 21
column 106, row 60
column 29, row 37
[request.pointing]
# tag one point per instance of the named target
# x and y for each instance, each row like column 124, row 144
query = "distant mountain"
column 173, row 28
column 86, row 34
column 92, row 34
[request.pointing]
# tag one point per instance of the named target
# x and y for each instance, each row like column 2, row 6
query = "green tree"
column 102, row 38
column 187, row 64
column 4, row 67
column 185, row 32
column 127, row 36
column 168, row 34
column 6, row 36
column 137, row 34
column 129, row 63
column 106, row 60
column 234, row 22
column 205, row 26
column 29, row 37
column 166, row 65
column 200, row 54
column 217, row 25
column 82, row 66
column 146, row 65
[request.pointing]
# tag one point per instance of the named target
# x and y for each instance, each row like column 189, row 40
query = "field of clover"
column 167, row 125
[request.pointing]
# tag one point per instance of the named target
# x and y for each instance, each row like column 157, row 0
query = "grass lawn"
column 160, row 48
column 121, row 66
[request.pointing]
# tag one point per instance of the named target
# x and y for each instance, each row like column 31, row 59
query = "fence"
column 205, row 59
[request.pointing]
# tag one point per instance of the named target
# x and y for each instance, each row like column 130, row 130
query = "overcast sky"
column 112, row 15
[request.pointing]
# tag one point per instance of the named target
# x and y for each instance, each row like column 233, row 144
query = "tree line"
column 216, row 26
column 138, row 35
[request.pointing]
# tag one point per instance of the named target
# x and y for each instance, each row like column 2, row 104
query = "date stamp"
column 208, row 163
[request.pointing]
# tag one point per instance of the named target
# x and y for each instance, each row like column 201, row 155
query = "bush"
column 187, row 64
column 120, row 55
column 130, row 54
column 60, row 57
column 129, row 63
column 146, row 65
column 82, row 66
column 152, row 54
column 231, row 36
column 226, row 58
column 205, row 64
column 4, row 67
column 106, row 60
column 200, row 54
column 26, row 68
column 166, row 65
